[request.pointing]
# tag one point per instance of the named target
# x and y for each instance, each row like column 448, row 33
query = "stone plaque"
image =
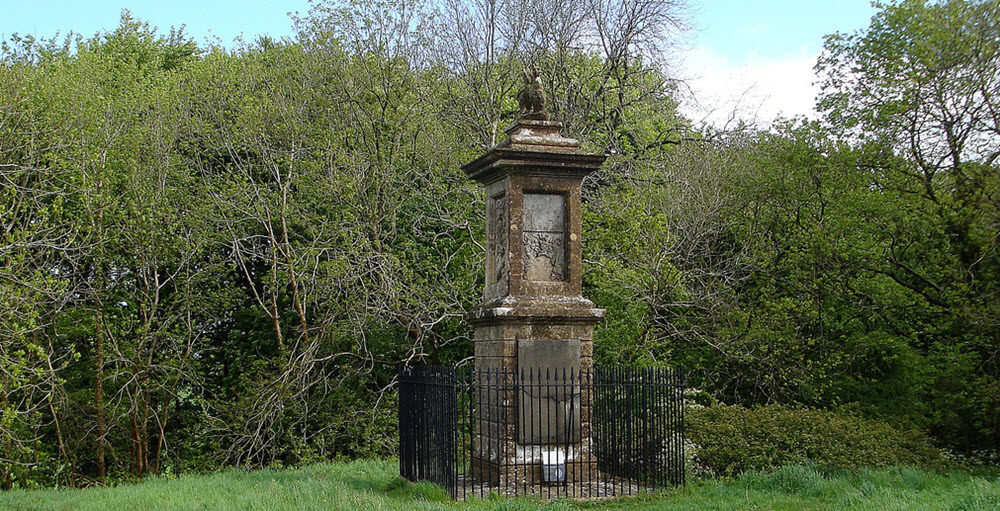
column 496, row 215
column 549, row 395
column 544, row 237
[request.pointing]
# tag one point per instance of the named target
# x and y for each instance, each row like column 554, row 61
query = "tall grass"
column 373, row 485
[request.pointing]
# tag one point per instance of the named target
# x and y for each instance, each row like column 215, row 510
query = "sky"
column 753, row 60
column 748, row 60
column 224, row 19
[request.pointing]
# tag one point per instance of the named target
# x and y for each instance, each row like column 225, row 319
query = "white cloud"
column 756, row 90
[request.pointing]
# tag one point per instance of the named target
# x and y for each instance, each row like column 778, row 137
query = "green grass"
column 373, row 485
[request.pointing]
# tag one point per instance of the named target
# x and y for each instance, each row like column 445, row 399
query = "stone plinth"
column 533, row 316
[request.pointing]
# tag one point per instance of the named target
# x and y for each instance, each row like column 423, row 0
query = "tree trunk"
column 99, row 401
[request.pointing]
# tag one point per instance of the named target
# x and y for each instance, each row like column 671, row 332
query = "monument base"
column 534, row 411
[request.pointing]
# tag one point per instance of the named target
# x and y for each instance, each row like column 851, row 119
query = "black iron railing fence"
column 551, row 433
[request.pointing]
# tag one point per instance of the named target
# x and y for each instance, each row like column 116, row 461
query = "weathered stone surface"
column 533, row 314
column 549, row 405
column 544, row 237
column 497, row 248
column 554, row 354
column 496, row 349
column 544, row 212
column 538, row 135
column 537, row 310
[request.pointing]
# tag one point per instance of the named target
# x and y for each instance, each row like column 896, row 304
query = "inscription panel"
column 544, row 238
column 549, row 408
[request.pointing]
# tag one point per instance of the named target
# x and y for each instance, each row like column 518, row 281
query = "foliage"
column 921, row 83
column 731, row 440
column 217, row 258
column 214, row 258
column 921, row 78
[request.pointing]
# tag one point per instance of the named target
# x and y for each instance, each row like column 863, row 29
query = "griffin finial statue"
column 532, row 97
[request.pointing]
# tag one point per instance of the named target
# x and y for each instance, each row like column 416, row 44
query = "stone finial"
column 532, row 97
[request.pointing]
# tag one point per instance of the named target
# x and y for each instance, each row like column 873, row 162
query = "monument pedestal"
column 534, row 331
column 536, row 408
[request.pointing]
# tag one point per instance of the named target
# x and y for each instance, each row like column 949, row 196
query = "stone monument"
column 533, row 317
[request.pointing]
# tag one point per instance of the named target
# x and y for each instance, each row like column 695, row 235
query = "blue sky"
column 752, row 59
column 775, row 28
column 225, row 19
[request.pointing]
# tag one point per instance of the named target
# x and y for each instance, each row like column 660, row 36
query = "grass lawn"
column 373, row 485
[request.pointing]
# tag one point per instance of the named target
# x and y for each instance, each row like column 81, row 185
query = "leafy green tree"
column 103, row 152
column 922, row 82
column 32, row 240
